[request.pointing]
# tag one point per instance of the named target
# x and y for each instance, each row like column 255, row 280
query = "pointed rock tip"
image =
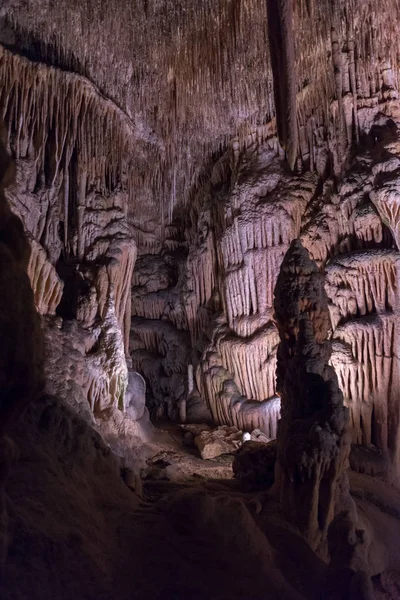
column 297, row 257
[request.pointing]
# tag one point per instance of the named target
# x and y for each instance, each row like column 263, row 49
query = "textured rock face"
column 224, row 440
column 74, row 212
column 203, row 297
column 203, row 288
column 21, row 354
column 21, row 348
column 313, row 441
column 242, row 224
column 207, row 83
column 159, row 342
column 221, row 154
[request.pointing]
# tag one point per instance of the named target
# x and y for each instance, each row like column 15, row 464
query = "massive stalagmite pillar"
column 313, row 441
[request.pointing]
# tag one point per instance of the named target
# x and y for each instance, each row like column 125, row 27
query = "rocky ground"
column 76, row 529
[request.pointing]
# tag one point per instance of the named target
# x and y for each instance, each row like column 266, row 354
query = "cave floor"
column 77, row 531
column 173, row 460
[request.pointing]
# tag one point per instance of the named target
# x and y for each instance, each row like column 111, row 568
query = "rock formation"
column 21, row 349
column 313, row 433
column 75, row 216
column 211, row 250
column 167, row 154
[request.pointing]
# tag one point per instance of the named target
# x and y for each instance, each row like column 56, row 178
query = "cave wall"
column 67, row 142
column 200, row 188
column 237, row 232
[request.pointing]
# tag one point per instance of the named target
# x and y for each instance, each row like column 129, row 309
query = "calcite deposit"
column 313, row 442
column 202, row 289
column 74, row 214
column 199, row 226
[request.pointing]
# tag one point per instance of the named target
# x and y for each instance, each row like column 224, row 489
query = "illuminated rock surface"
column 167, row 155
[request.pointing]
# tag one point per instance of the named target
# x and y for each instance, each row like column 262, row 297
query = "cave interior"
column 199, row 299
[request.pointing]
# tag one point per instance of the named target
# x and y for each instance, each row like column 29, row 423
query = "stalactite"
column 366, row 361
column 281, row 43
column 51, row 100
column 387, row 200
column 182, row 117
column 342, row 225
column 252, row 360
column 338, row 74
column 228, row 405
column 94, row 160
column 71, row 147
column 362, row 283
column 252, row 248
column 353, row 79
column 201, row 282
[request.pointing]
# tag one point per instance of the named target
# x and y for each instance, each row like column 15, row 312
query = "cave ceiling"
column 189, row 77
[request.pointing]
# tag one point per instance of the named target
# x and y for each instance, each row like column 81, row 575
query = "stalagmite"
column 313, row 442
column 108, row 373
column 190, row 379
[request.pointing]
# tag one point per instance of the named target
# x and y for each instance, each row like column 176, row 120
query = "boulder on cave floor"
column 258, row 436
column 223, row 440
column 254, row 463
column 195, row 428
column 191, row 431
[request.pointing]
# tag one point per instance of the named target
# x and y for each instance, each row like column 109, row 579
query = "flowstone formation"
column 68, row 143
column 207, row 165
column 241, row 224
column 313, row 432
